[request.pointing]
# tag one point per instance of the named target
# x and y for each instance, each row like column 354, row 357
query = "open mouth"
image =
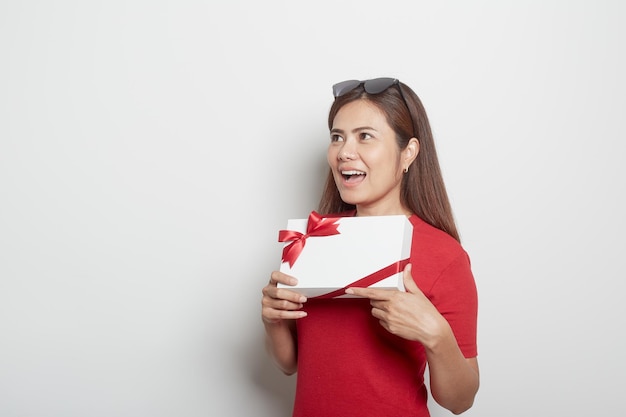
column 353, row 175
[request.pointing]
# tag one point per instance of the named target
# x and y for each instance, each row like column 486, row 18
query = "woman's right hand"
column 280, row 303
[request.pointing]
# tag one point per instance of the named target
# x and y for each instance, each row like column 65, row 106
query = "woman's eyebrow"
column 356, row 129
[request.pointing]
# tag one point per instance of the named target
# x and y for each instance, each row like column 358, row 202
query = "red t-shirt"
column 349, row 365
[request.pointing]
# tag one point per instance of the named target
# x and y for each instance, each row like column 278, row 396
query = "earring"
column 406, row 170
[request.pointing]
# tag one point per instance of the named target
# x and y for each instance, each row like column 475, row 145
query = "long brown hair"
column 423, row 190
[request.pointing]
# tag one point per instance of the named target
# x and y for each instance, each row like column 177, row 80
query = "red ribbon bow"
column 316, row 226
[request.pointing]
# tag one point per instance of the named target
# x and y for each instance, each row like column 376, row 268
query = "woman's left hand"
column 409, row 314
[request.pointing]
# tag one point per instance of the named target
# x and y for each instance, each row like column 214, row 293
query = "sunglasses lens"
column 378, row 85
column 343, row 87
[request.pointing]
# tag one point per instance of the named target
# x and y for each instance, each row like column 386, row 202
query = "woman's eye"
column 336, row 138
column 365, row 135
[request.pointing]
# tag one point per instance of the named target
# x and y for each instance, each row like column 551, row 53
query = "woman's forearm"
column 280, row 342
column 454, row 380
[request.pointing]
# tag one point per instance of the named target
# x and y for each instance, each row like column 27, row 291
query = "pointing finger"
column 371, row 293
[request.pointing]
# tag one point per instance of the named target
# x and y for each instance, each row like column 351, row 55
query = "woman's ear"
column 410, row 152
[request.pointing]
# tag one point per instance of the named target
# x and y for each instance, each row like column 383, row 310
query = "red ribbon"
column 316, row 226
column 371, row 279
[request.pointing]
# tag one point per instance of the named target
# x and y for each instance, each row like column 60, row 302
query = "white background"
column 151, row 150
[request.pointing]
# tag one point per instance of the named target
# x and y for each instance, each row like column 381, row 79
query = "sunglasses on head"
column 373, row 86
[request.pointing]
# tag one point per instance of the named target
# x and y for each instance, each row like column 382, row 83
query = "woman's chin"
column 349, row 199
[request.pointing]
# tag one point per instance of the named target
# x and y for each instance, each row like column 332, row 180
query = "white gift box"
column 365, row 251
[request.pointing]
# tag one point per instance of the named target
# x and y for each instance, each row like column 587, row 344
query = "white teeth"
column 352, row 173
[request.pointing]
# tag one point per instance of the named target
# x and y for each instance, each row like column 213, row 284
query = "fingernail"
column 349, row 291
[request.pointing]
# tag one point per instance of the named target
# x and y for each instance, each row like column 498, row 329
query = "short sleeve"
column 455, row 296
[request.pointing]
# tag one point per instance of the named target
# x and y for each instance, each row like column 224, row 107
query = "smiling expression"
column 365, row 159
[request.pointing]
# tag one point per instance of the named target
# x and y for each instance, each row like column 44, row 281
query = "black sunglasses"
column 373, row 86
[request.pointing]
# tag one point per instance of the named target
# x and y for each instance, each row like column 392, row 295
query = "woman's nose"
column 346, row 153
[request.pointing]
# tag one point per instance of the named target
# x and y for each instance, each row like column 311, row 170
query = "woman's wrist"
column 441, row 336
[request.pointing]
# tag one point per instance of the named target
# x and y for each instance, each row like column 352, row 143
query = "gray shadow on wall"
column 311, row 170
column 278, row 389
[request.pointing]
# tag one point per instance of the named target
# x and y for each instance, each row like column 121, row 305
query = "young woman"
column 366, row 356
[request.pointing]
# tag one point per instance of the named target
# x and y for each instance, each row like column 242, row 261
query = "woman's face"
column 365, row 160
